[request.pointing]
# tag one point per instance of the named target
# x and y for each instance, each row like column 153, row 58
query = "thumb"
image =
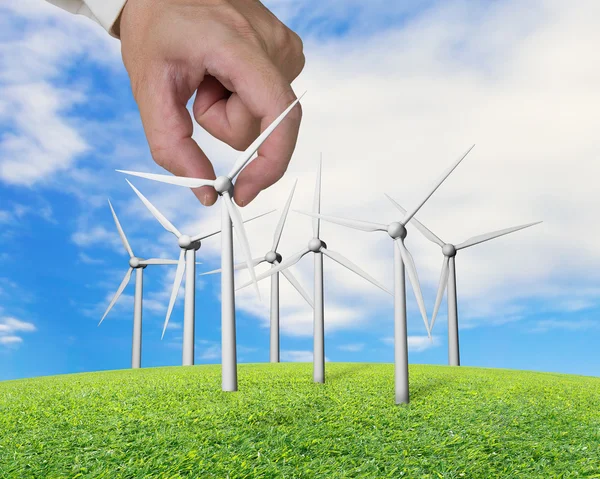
column 169, row 128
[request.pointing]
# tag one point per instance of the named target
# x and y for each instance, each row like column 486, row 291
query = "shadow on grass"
column 431, row 387
column 345, row 371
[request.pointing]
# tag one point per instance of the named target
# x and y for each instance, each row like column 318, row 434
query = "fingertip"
column 206, row 195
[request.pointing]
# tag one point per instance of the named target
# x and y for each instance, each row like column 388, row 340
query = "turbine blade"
column 166, row 224
column 356, row 224
column 118, row 293
column 317, row 200
column 121, row 232
column 413, row 277
column 281, row 224
column 204, row 236
column 338, row 258
column 159, row 261
column 296, row 284
column 417, row 224
column 240, row 231
column 246, row 156
column 176, row 285
column 494, row 234
column 435, row 187
column 172, row 180
column 292, row 260
column 255, row 262
column 445, row 273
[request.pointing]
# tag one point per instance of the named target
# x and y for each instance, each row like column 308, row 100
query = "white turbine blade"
column 158, row 261
column 338, row 258
column 445, row 273
column 296, row 284
column 172, row 180
column 281, row 224
column 417, row 224
column 255, row 262
column 413, row 277
column 118, row 293
column 166, row 224
column 121, row 232
column 176, row 286
column 356, row 224
column 291, row 261
column 246, row 156
column 317, row 200
column 240, row 231
column 204, row 236
column 435, row 187
column 494, row 234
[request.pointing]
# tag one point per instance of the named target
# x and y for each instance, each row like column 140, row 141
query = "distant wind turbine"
column 137, row 264
column 274, row 258
column 448, row 277
column 402, row 258
column 230, row 218
column 187, row 262
column 319, row 248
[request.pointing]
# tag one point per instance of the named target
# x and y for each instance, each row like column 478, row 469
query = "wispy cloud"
column 417, row 344
column 10, row 329
column 546, row 325
column 352, row 348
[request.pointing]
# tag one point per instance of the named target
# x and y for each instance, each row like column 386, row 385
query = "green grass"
column 176, row 423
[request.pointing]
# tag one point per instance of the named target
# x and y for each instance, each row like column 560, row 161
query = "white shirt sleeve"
column 104, row 12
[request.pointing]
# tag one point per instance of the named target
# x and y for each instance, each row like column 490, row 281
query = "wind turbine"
column 187, row 262
column 448, row 277
column 274, row 258
column 402, row 258
column 319, row 248
column 137, row 264
column 230, row 218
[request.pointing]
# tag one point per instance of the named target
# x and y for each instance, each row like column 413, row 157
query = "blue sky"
column 393, row 92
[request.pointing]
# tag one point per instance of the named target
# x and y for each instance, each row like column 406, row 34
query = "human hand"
column 239, row 58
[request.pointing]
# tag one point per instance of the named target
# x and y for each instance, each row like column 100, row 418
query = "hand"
column 238, row 58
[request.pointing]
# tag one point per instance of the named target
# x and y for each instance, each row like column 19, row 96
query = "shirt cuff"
column 106, row 13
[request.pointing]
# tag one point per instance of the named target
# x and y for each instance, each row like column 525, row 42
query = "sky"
column 396, row 91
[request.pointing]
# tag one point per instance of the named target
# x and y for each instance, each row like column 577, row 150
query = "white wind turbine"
column 187, row 262
column 137, row 264
column 448, row 277
column 230, row 218
column 274, row 258
column 402, row 258
column 319, row 248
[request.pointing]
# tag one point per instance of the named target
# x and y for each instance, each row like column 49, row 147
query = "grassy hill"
column 176, row 423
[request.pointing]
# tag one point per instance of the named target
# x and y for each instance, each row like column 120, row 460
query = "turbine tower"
column 230, row 218
column 137, row 264
column 448, row 277
column 402, row 259
column 187, row 262
column 273, row 257
column 319, row 248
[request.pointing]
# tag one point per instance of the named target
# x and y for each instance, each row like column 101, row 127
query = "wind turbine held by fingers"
column 402, row 260
column 187, row 263
column 448, row 277
column 137, row 264
column 230, row 219
column 319, row 248
column 274, row 258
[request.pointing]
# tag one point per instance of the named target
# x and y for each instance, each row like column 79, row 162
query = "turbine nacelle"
column 316, row 244
column 223, row 184
column 134, row 262
column 397, row 230
column 185, row 242
column 449, row 250
column 272, row 256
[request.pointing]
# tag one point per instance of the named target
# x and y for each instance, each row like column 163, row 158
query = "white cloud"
column 417, row 344
column 565, row 325
column 352, row 348
column 10, row 340
column 9, row 329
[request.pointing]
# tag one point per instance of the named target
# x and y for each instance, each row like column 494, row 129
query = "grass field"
column 176, row 423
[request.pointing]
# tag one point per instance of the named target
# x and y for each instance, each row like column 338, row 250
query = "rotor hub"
column 134, row 262
column 397, row 230
column 223, row 184
column 449, row 250
column 184, row 241
column 196, row 245
column 271, row 257
column 315, row 245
